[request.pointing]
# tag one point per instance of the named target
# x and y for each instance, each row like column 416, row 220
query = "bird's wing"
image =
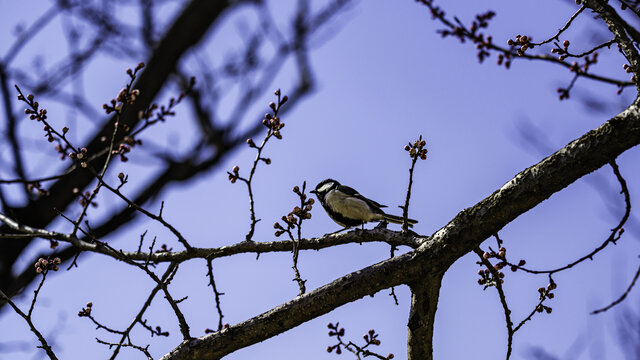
column 352, row 192
column 347, row 190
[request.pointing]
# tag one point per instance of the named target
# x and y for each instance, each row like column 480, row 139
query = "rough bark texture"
column 349, row 288
column 424, row 303
column 422, row 266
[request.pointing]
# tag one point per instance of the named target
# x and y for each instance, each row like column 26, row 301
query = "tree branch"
column 461, row 235
column 424, row 302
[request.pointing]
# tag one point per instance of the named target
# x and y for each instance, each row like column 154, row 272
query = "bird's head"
column 324, row 187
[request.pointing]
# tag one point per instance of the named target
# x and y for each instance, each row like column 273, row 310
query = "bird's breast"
column 349, row 206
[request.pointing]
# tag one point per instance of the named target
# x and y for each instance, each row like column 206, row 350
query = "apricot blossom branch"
column 273, row 124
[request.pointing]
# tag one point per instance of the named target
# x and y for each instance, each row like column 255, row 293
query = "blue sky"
column 383, row 78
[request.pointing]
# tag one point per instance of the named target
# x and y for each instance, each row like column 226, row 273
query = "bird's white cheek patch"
column 325, row 187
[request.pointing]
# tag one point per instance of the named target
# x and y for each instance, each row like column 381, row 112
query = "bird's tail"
column 398, row 219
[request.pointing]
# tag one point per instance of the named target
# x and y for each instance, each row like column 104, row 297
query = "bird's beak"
column 313, row 192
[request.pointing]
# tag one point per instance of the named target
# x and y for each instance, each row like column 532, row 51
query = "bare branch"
column 497, row 282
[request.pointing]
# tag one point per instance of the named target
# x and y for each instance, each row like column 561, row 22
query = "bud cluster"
column 483, row 47
column 334, row 330
column 562, row 51
column 417, row 149
column 504, row 59
column 486, row 277
column 521, row 44
column 40, row 115
column 158, row 331
column 436, row 12
column 44, row 265
column 588, row 61
column 233, row 177
column 563, row 93
column 80, row 155
column 53, row 244
column 164, row 248
column 273, row 124
column 122, row 150
column 35, row 112
column 297, row 215
column 545, row 293
column 481, row 21
column 370, row 338
column 86, row 311
column 37, row 188
column 126, row 96
column 86, row 198
column 164, row 111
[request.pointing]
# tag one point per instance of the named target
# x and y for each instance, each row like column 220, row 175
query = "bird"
column 348, row 208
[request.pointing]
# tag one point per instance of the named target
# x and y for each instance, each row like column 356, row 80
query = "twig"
column 590, row 51
column 273, row 124
column 171, row 228
column 393, row 289
column 562, row 29
column 544, row 295
column 35, row 294
column 12, row 126
column 503, row 300
column 216, row 294
column 370, row 338
column 27, row 317
column 296, row 242
column 144, row 350
column 622, row 297
column 145, row 306
column 416, row 151
column 615, row 235
column 292, row 220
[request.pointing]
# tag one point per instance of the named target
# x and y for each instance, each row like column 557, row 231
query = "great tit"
column 348, row 208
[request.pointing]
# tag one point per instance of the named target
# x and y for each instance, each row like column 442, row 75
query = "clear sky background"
column 384, row 76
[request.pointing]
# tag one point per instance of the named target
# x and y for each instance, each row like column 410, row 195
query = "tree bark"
column 424, row 303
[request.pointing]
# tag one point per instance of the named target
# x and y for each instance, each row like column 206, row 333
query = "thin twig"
column 43, row 342
column 562, row 29
column 392, row 253
column 416, row 151
column 503, row 300
column 622, row 297
column 615, row 235
column 216, row 293
column 248, row 181
column 171, row 228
